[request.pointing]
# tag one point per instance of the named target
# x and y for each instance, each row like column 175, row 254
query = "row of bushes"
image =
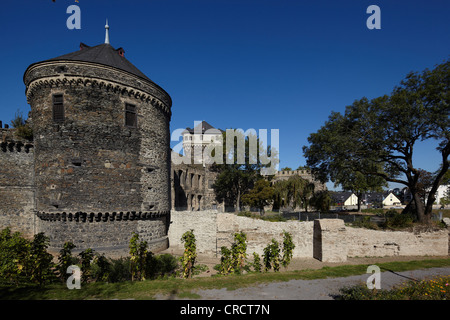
column 25, row 261
column 393, row 221
column 272, row 218
column 234, row 260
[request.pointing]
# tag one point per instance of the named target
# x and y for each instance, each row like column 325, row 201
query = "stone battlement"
column 10, row 142
column 98, row 217
column 291, row 173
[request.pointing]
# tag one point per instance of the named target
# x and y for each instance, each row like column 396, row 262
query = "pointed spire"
column 107, row 32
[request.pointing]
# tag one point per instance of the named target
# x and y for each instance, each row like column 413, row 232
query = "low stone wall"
column 328, row 240
column 204, row 224
column 362, row 242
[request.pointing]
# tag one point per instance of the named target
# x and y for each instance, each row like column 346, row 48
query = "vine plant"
column 138, row 257
column 271, row 256
column 65, row 260
column 190, row 253
column 288, row 248
column 233, row 261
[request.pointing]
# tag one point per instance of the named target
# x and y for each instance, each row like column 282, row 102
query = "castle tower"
column 196, row 140
column 102, row 149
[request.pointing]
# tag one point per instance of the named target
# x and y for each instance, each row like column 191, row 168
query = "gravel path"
column 321, row 289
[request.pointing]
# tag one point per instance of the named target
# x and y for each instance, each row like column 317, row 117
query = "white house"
column 391, row 200
column 442, row 192
column 345, row 198
column 352, row 200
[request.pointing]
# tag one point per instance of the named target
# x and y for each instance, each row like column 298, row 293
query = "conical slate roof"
column 103, row 54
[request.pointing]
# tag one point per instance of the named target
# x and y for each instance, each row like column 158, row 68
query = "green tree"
column 377, row 137
column 334, row 156
column 295, row 191
column 242, row 164
column 260, row 196
column 321, row 200
column 23, row 129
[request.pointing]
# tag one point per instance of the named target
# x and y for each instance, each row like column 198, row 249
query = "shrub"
column 288, row 248
column 271, row 256
column 166, row 264
column 101, row 268
column 86, row 257
column 239, row 251
column 437, row 288
column 256, row 262
column 233, row 261
column 395, row 220
column 42, row 267
column 189, row 255
column 14, row 257
column 365, row 223
column 65, row 260
column 140, row 258
column 120, row 270
column 226, row 265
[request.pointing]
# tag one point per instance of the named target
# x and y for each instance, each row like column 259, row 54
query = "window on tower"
column 58, row 108
column 130, row 115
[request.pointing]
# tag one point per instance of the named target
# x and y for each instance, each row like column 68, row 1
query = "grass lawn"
column 143, row 290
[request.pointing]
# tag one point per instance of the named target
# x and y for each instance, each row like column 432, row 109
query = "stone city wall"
column 107, row 233
column 16, row 184
column 328, row 240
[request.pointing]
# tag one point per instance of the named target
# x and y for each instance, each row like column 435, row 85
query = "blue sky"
column 261, row 64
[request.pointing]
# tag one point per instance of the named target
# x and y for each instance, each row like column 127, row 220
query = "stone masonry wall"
column 92, row 164
column 16, row 184
column 328, row 240
column 108, row 234
column 92, row 160
column 363, row 242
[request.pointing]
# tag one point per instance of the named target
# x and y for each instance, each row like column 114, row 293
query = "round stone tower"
column 102, row 150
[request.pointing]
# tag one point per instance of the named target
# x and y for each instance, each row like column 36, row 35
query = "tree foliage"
column 377, row 137
column 23, row 129
column 295, row 191
column 241, row 167
column 260, row 196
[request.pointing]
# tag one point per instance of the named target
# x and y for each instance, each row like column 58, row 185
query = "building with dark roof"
column 100, row 168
